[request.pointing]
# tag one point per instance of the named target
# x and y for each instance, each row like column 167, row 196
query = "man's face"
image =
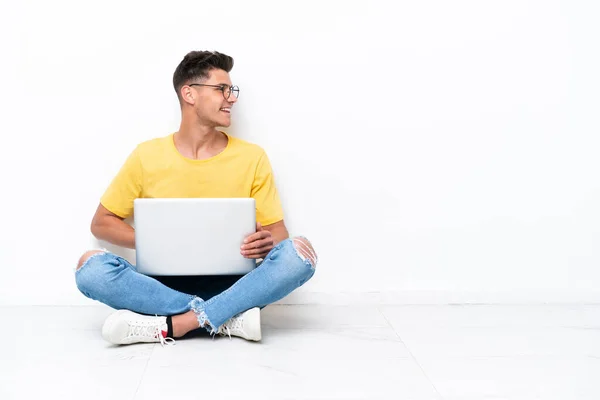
column 210, row 105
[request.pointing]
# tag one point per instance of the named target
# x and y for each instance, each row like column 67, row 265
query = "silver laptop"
column 193, row 236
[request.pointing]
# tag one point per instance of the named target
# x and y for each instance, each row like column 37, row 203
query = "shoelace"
column 147, row 329
column 165, row 340
column 233, row 325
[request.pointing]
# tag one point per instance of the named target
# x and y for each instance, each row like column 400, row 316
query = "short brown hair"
column 197, row 64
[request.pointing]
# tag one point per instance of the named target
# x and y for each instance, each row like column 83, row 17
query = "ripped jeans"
column 112, row 280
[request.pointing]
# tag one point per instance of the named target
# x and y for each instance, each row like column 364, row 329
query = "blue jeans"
column 112, row 280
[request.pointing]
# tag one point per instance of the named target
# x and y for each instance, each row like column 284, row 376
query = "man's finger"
column 252, row 252
column 252, row 238
column 256, row 236
column 266, row 243
column 261, row 251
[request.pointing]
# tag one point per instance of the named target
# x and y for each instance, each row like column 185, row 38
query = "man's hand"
column 259, row 244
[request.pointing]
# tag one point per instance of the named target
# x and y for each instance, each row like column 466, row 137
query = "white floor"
column 314, row 352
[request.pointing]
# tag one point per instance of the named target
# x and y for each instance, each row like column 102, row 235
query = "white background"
column 432, row 150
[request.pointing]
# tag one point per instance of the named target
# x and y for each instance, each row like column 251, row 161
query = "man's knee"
column 86, row 256
column 305, row 250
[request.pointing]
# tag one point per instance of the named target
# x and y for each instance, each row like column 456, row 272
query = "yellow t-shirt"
column 156, row 169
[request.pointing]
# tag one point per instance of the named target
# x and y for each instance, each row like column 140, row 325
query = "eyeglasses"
column 226, row 89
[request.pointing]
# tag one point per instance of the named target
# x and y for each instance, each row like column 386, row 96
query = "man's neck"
column 195, row 140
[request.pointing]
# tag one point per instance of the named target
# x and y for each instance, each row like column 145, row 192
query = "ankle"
column 183, row 323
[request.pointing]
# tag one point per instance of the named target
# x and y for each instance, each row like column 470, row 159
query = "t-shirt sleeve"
column 125, row 187
column 268, row 204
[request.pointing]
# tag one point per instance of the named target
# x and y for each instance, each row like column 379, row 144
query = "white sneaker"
column 245, row 325
column 126, row 327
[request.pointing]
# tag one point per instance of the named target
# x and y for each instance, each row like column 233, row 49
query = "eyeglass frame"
column 222, row 87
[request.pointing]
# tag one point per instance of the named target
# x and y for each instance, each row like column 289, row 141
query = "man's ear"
column 187, row 95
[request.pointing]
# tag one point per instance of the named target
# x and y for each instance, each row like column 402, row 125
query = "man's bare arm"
column 278, row 231
column 111, row 228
